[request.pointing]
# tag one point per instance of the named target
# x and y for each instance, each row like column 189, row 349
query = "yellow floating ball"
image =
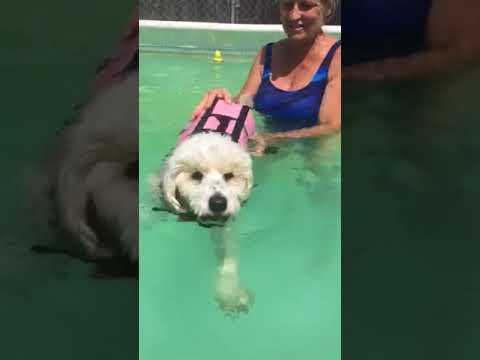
column 217, row 56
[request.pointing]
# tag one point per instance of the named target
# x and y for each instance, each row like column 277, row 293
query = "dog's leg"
column 230, row 295
column 71, row 199
column 116, row 199
column 71, row 210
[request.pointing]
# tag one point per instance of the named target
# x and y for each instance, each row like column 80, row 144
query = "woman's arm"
column 330, row 114
column 251, row 85
column 452, row 42
column 415, row 66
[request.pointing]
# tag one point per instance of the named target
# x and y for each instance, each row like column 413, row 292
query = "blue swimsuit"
column 291, row 110
column 377, row 29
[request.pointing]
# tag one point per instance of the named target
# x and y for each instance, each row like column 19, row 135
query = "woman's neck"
column 300, row 49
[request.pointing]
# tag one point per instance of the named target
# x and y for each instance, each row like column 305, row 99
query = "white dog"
column 88, row 186
column 90, row 180
column 209, row 176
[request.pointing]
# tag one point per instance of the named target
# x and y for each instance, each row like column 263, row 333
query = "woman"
column 404, row 39
column 295, row 82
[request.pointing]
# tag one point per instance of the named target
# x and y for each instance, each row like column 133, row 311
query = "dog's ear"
column 164, row 186
column 247, row 187
column 169, row 187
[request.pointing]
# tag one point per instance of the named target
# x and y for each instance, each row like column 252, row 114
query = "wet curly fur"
column 89, row 182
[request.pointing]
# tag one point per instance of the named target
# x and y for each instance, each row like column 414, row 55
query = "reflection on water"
column 410, row 154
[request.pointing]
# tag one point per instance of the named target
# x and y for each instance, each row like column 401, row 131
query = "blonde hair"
column 330, row 6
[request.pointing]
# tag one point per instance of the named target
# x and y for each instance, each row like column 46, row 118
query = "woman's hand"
column 208, row 99
column 259, row 143
column 367, row 71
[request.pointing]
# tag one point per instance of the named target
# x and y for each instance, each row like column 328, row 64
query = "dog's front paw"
column 235, row 300
column 130, row 244
column 133, row 252
column 230, row 296
column 87, row 238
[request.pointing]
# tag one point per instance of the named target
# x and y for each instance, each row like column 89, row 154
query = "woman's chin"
column 303, row 34
column 300, row 37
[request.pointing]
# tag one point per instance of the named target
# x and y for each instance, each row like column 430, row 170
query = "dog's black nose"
column 217, row 203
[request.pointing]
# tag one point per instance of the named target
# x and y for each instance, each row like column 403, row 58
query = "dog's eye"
column 197, row 175
column 228, row 176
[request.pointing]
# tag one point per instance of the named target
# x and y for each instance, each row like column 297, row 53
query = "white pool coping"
column 189, row 25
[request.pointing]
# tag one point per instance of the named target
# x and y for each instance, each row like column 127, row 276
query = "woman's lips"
column 296, row 28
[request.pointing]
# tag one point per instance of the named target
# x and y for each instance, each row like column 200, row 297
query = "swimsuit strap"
column 267, row 64
column 328, row 58
column 322, row 71
column 268, row 61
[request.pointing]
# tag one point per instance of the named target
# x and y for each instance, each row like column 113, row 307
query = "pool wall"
column 197, row 37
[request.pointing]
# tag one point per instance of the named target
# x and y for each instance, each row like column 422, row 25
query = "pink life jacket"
column 233, row 120
column 125, row 55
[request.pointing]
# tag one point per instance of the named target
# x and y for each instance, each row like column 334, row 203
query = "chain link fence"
column 222, row 11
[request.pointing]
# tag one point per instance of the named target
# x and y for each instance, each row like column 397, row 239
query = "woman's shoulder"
column 274, row 45
column 329, row 41
column 271, row 46
column 327, row 45
column 280, row 42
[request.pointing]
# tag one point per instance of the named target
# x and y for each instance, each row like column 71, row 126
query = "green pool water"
column 51, row 308
column 288, row 235
column 410, row 194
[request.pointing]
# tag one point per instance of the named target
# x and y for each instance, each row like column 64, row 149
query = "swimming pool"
column 288, row 235
column 410, row 245
column 197, row 37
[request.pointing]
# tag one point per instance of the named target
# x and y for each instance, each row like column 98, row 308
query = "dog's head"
column 208, row 175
